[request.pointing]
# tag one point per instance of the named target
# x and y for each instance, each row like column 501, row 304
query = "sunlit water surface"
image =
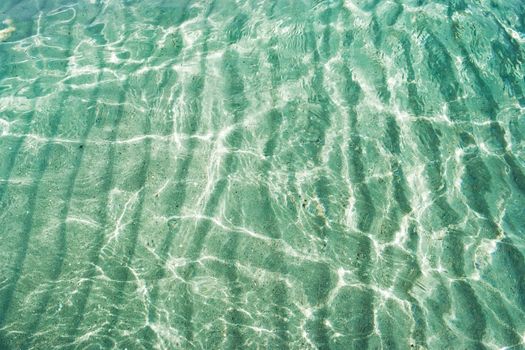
column 271, row 174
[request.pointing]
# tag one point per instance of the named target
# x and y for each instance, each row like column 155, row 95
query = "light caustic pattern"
column 262, row 174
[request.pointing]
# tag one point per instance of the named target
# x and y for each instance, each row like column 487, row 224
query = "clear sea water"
column 270, row 174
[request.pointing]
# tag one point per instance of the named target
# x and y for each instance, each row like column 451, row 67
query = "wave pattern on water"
column 221, row 174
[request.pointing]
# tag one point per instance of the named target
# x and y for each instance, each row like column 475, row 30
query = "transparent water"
column 272, row 174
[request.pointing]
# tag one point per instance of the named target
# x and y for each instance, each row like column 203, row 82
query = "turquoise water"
column 220, row 174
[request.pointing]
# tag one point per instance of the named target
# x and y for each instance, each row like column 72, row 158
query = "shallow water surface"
column 271, row 174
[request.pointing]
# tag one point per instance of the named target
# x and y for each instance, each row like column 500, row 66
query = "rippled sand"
column 272, row 174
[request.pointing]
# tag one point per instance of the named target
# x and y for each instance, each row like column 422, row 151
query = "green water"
column 271, row 174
